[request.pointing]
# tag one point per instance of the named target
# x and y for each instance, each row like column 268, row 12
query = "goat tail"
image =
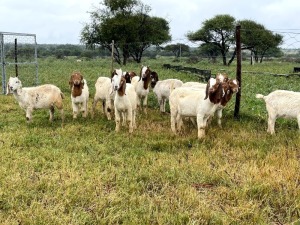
column 260, row 96
column 62, row 95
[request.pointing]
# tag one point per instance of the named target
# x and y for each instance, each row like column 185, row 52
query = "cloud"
column 61, row 21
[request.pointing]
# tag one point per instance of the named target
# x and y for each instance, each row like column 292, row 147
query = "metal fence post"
column 238, row 70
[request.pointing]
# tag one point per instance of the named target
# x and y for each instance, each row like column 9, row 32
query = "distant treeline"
column 26, row 52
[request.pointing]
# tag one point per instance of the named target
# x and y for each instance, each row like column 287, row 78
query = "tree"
column 256, row 38
column 209, row 50
column 127, row 23
column 177, row 49
column 218, row 31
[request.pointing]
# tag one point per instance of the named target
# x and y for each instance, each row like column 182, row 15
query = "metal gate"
column 18, row 53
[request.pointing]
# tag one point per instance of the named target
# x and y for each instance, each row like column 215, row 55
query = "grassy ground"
column 85, row 173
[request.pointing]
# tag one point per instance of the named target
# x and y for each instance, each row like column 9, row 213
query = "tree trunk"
column 232, row 58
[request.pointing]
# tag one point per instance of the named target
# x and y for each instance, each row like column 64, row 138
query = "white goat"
column 125, row 102
column 104, row 93
column 192, row 102
column 162, row 91
column 194, row 84
column 45, row 96
column 281, row 103
column 79, row 94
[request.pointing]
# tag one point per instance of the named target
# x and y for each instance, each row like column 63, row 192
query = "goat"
column 45, row 96
column 128, row 76
column 141, row 85
column 79, row 94
column 125, row 103
column 230, row 87
column 162, row 91
column 281, row 103
column 194, row 102
column 106, row 94
column 194, row 84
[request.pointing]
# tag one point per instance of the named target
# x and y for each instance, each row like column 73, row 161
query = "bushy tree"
column 127, row 23
column 177, row 49
column 256, row 38
column 218, row 31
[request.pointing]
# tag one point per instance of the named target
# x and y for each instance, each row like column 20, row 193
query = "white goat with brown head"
column 125, row 102
column 195, row 102
column 79, row 94
column 142, row 85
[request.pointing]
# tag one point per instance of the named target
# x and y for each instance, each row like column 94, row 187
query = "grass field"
column 85, row 173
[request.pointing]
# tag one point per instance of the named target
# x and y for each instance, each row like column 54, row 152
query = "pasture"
column 86, row 173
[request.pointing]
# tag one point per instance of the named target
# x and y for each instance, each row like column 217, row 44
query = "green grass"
column 85, row 173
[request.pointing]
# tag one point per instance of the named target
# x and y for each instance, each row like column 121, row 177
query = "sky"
column 61, row 21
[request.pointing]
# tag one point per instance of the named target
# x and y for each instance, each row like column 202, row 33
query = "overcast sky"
column 61, row 21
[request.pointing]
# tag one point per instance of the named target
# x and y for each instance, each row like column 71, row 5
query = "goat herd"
column 125, row 92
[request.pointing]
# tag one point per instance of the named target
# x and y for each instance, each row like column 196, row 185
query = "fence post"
column 238, row 70
column 3, row 64
column 112, row 55
column 16, row 57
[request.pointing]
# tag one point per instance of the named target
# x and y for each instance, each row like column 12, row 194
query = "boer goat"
column 45, row 96
column 125, row 102
column 79, row 94
column 195, row 102
column 281, row 103
column 128, row 76
column 141, row 84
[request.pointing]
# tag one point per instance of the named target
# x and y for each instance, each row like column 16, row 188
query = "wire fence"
column 28, row 53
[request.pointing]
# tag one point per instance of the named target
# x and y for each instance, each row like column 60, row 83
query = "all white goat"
column 162, row 91
column 194, row 84
column 125, row 102
column 79, row 94
column 281, row 103
column 195, row 102
column 142, row 85
column 106, row 94
column 45, row 96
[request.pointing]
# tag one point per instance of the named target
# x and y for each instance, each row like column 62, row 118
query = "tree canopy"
column 127, row 23
column 256, row 38
column 220, row 33
column 177, row 49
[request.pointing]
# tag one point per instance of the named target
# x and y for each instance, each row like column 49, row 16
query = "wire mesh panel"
column 19, row 58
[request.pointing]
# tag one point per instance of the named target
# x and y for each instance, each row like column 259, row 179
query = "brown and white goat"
column 142, row 85
column 195, row 102
column 125, row 103
column 79, row 94
column 230, row 87
column 128, row 76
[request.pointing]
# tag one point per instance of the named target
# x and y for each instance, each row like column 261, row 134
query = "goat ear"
column 206, row 90
column 112, row 74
